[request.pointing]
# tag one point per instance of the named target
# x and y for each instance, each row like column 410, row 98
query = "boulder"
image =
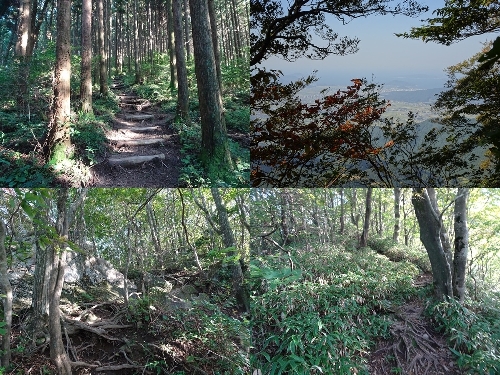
column 98, row 270
column 151, row 281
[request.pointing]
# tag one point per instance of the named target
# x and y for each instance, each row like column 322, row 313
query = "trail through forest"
column 143, row 150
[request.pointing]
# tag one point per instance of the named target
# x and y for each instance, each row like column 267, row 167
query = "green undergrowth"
column 473, row 331
column 398, row 252
column 324, row 316
column 88, row 131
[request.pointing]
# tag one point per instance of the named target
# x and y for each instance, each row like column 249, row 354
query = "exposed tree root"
column 414, row 347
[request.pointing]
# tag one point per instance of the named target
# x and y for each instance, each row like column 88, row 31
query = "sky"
column 383, row 56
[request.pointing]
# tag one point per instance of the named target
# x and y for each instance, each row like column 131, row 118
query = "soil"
column 143, row 148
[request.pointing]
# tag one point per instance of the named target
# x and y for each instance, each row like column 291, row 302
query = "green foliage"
column 16, row 170
column 236, row 75
column 139, row 310
column 237, row 115
column 88, row 137
column 381, row 244
column 208, row 330
column 473, row 334
column 457, row 20
column 325, row 319
column 2, row 330
column 157, row 367
column 399, row 252
column 193, row 172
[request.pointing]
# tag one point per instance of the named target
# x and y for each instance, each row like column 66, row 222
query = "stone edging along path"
column 143, row 150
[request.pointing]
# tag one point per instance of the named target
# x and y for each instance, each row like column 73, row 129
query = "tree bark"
column 342, row 213
column 56, row 280
column 430, row 234
column 86, row 70
column 171, row 46
column 103, row 76
column 7, row 300
column 397, row 214
column 58, row 143
column 182, row 92
column 366, row 225
column 215, row 151
column 461, row 244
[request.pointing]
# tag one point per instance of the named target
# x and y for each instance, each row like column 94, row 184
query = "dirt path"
column 414, row 346
column 143, row 149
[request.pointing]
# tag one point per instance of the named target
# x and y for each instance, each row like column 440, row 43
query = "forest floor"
column 143, row 150
column 148, row 337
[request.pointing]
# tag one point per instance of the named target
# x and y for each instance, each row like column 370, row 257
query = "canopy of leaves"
column 310, row 144
column 459, row 19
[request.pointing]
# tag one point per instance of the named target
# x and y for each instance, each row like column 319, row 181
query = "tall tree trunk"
column 461, row 244
column 103, row 76
column 40, row 298
column 56, row 260
column 22, row 50
column 187, row 21
column 366, row 223
column 137, row 68
column 228, row 239
column 215, row 151
column 182, row 93
column 171, row 46
column 430, row 235
column 5, row 288
column 397, row 214
column 215, row 40
column 342, row 214
column 58, row 144
column 86, row 71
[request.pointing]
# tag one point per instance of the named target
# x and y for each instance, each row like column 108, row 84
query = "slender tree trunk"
column 228, row 239
column 56, row 256
column 86, row 70
column 461, row 244
column 58, row 144
column 171, row 46
column 187, row 21
column 397, row 214
column 103, row 76
column 342, row 213
column 182, row 93
column 22, row 51
column 366, row 224
column 136, row 46
column 215, row 40
column 5, row 288
column 430, row 235
column 40, row 298
column 215, row 151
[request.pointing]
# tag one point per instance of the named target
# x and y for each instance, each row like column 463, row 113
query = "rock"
column 151, row 280
column 99, row 270
column 175, row 303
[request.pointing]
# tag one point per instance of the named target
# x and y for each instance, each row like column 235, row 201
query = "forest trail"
column 145, row 151
column 414, row 346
